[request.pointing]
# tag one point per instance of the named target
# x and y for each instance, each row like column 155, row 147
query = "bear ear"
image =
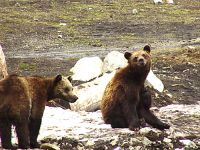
column 70, row 78
column 58, row 78
column 127, row 55
column 147, row 48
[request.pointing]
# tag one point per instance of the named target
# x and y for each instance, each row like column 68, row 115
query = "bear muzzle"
column 141, row 62
column 73, row 99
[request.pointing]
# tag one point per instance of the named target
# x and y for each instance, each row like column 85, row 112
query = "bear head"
column 63, row 89
column 139, row 59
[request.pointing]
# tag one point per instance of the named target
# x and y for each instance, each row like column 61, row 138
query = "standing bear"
column 125, row 100
column 22, row 103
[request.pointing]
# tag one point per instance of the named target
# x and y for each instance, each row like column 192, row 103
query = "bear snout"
column 73, row 99
column 141, row 61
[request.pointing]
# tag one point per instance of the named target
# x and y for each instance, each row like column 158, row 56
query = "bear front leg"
column 130, row 112
column 151, row 119
column 5, row 130
column 23, row 134
column 143, row 110
column 34, row 128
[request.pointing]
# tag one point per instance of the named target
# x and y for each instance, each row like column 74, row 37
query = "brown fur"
column 22, row 103
column 125, row 99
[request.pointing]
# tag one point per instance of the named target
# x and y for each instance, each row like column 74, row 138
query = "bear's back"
column 12, row 84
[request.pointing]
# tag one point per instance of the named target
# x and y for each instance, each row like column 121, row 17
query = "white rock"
column 146, row 141
column 153, row 81
column 90, row 143
column 91, row 93
column 60, row 36
column 158, row 1
column 87, row 68
column 189, row 144
column 166, row 140
column 134, row 11
column 185, row 142
column 145, row 130
column 170, row 1
column 191, row 47
column 114, row 60
column 63, row 24
column 3, row 66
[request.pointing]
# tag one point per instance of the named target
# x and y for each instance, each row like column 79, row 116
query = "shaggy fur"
column 22, row 103
column 125, row 100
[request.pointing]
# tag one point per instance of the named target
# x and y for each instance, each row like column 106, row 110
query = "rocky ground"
column 72, row 130
column 86, row 130
column 48, row 37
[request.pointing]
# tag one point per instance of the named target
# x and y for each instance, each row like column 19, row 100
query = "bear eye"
column 135, row 58
column 144, row 55
column 67, row 89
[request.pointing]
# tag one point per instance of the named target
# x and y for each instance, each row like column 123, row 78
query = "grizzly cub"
column 22, row 103
column 125, row 100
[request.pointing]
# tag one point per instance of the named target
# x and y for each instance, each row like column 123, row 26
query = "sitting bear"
column 22, row 103
column 125, row 100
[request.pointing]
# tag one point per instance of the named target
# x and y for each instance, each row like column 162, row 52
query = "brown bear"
column 22, row 103
column 125, row 100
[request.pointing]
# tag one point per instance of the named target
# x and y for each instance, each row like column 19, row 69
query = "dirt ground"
column 47, row 37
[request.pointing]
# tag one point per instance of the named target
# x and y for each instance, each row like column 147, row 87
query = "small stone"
column 137, row 148
column 134, row 141
column 49, row 146
column 117, row 148
column 114, row 142
column 169, row 95
column 125, row 144
column 17, row 5
column 36, row 19
column 151, row 134
column 62, row 24
column 134, row 11
column 80, row 147
column 90, row 143
column 170, row 1
column 158, row 1
column 189, row 144
column 145, row 130
column 146, row 141
column 60, row 36
column 166, row 140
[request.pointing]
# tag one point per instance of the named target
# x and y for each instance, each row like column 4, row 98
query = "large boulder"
column 87, row 68
column 90, row 93
column 153, row 81
column 113, row 61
